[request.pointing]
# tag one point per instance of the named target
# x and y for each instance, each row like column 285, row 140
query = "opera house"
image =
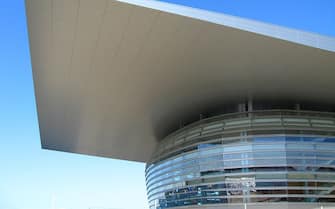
column 226, row 112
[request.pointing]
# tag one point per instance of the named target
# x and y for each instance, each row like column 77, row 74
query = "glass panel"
column 293, row 165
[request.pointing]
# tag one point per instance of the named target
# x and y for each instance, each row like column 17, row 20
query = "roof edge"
column 292, row 35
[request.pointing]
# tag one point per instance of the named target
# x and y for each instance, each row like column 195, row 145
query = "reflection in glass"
column 260, row 169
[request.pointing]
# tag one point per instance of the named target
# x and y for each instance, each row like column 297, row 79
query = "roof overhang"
column 114, row 77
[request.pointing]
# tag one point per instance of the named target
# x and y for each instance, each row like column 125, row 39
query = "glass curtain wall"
column 269, row 158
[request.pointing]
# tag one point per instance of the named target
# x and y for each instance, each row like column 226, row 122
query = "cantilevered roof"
column 114, row 77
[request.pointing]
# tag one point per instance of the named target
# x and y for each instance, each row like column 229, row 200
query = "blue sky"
column 30, row 178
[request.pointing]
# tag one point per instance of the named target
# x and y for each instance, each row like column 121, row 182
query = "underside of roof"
column 112, row 78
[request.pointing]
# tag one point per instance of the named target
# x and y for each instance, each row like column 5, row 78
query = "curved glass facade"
column 272, row 156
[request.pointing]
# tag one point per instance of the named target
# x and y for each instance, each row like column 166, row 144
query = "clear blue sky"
column 30, row 177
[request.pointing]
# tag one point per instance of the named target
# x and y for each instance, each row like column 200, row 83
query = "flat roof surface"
column 114, row 77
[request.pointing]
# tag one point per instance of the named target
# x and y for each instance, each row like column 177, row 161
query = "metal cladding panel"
column 112, row 78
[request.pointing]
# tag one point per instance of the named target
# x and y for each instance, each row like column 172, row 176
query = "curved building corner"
column 253, row 159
